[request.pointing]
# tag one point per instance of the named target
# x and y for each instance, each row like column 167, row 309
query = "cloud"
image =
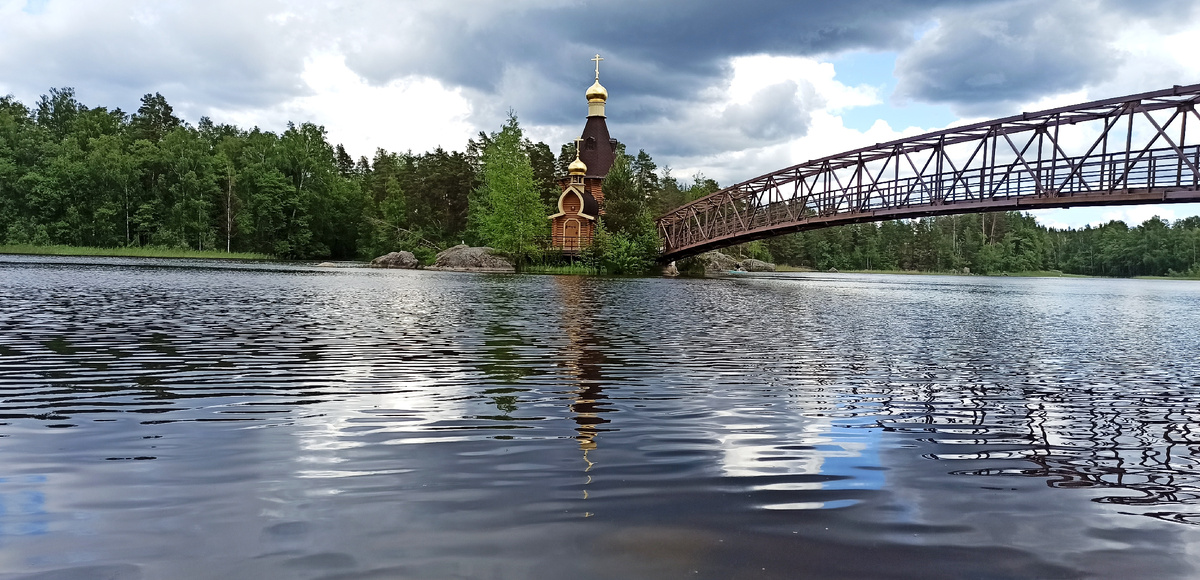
column 412, row 113
column 996, row 60
column 222, row 53
column 741, row 86
column 747, row 121
column 983, row 59
column 1134, row 215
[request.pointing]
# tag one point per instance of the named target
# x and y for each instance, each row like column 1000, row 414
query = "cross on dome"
column 597, row 59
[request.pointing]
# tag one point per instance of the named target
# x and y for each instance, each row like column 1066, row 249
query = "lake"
column 184, row 419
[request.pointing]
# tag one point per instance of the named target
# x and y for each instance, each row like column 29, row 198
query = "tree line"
column 93, row 176
column 993, row 243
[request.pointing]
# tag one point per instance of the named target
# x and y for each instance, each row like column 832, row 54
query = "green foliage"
column 627, row 253
column 624, row 203
column 506, row 211
column 81, row 176
column 626, row 241
column 999, row 243
column 70, row 174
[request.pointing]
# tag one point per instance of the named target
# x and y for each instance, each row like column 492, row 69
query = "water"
column 192, row 419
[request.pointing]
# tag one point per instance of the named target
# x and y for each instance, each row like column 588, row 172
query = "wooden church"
column 582, row 200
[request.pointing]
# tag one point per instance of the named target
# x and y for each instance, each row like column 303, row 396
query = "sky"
column 729, row 90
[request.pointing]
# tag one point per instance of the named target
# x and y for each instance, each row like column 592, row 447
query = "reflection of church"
column 582, row 200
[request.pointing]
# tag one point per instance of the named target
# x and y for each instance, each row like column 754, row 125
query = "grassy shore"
column 144, row 252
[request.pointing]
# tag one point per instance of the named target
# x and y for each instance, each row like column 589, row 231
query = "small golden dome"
column 577, row 167
column 597, row 92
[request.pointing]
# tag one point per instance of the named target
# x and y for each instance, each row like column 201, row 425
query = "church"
column 582, row 200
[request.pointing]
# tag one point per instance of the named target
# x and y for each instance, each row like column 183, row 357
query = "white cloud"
column 1136, row 214
column 411, row 113
column 1132, row 215
column 771, row 113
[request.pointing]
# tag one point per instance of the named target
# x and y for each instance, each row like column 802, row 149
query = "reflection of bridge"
column 1122, row 151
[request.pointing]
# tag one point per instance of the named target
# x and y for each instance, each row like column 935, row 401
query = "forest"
column 98, row 177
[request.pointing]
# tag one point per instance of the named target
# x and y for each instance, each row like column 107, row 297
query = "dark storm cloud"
column 658, row 52
column 664, row 59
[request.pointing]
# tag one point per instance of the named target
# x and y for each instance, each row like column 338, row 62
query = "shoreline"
column 1027, row 274
column 137, row 252
column 169, row 253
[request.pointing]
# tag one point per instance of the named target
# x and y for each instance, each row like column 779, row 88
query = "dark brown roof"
column 590, row 207
column 598, row 148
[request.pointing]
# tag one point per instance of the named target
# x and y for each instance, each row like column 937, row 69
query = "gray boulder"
column 463, row 258
column 752, row 265
column 717, row 263
column 405, row 260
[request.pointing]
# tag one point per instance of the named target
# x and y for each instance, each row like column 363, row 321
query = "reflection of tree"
column 1140, row 442
column 503, row 363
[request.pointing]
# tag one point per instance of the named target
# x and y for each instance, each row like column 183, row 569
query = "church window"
column 591, row 144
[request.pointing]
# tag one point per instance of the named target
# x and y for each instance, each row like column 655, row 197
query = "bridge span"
column 1120, row 151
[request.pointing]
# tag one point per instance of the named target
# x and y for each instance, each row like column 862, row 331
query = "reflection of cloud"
column 806, row 442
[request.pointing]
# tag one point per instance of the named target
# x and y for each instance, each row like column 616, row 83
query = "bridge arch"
column 1121, row 151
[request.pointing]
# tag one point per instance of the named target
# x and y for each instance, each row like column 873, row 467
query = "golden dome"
column 597, row 92
column 577, row 167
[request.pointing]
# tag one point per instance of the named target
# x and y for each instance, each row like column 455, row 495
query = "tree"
column 623, row 203
column 154, row 119
column 506, row 211
column 543, row 163
column 56, row 112
column 627, row 242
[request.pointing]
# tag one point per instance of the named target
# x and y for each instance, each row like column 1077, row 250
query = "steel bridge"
column 1122, row 151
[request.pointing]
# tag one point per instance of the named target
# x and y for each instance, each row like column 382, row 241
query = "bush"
column 627, row 254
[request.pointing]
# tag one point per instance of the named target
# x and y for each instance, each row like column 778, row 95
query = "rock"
column 405, row 260
column 670, row 270
column 752, row 265
column 966, row 270
column 717, row 263
column 326, row 265
column 463, row 258
column 833, row 270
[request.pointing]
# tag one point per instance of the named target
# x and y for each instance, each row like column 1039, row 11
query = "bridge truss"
column 1121, row 151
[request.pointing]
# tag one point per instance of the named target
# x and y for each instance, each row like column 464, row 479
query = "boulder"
column 326, row 265
column 717, row 263
column 463, row 258
column 752, row 265
column 405, row 260
column 670, row 270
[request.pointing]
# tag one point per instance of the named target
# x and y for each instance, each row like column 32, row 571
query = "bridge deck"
column 1129, row 150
